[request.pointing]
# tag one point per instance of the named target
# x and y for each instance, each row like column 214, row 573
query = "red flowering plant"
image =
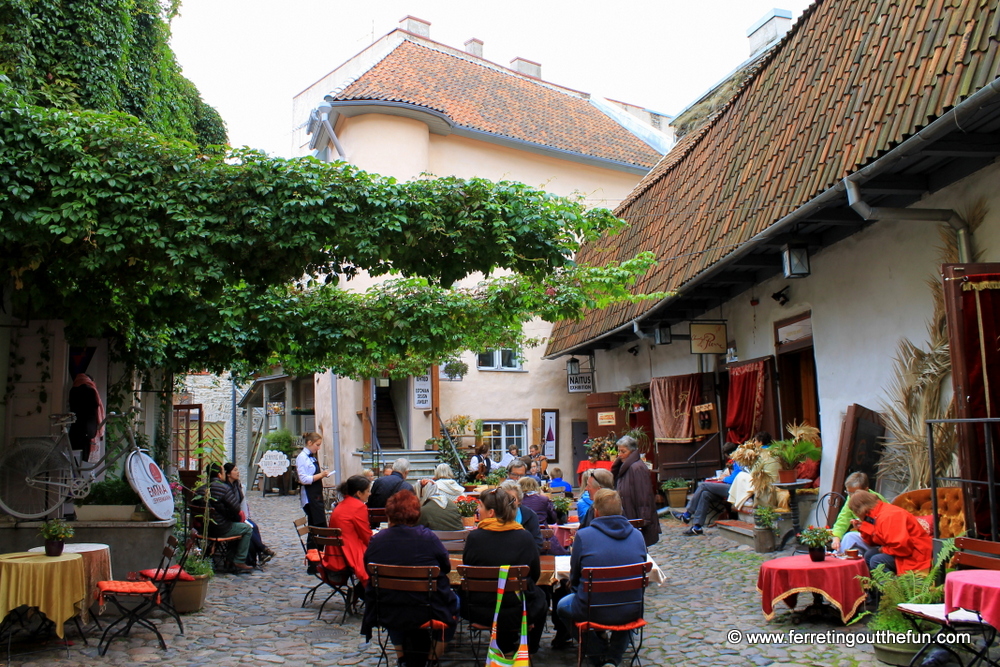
column 467, row 505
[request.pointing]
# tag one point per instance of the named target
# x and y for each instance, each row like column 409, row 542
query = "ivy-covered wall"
column 105, row 55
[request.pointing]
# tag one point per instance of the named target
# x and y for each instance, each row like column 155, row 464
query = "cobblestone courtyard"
column 256, row 619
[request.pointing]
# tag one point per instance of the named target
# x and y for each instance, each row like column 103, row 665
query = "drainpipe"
column 335, row 415
column 324, row 114
column 869, row 212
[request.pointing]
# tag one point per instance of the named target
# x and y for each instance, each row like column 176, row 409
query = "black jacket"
column 384, row 487
column 512, row 547
column 223, row 507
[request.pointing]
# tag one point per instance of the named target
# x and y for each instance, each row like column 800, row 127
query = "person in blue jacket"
column 609, row 540
column 706, row 492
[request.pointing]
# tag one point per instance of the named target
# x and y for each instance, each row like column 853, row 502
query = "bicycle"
column 40, row 473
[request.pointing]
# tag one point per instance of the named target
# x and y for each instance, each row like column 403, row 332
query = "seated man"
column 517, row 470
column 384, row 487
column 707, row 492
column 609, row 540
column 557, row 483
column 901, row 543
column 535, row 454
column 224, row 515
column 843, row 537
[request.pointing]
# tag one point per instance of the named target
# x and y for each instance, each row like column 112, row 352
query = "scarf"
column 428, row 491
column 496, row 526
column 83, row 379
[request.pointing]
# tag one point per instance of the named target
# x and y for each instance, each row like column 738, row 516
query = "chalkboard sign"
column 860, row 446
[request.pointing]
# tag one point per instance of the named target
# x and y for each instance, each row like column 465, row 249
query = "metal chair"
column 604, row 586
column 166, row 576
column 828, row 507
column 422, row 582
column 221, row 550
column 341, row 582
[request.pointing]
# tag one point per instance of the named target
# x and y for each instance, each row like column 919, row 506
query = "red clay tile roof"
column 478, row 95
column 851, row 80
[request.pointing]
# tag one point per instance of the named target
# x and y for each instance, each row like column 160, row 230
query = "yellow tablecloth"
column 96, row 566
column 54, row 585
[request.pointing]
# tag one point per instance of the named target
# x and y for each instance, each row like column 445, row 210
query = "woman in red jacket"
column 351, row 516
column 903, row 544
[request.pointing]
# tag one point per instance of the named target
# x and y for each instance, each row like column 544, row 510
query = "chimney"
column 525, row 66
column 475, row 47
column 769, row 29
column 416, row 26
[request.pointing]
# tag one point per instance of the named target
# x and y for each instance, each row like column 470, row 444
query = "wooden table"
column 54, row 585
column 975, row 590
column 834, row 578
column 96, row 566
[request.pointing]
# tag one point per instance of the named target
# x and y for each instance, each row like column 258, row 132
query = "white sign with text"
column 273, row 463
column 421, row 392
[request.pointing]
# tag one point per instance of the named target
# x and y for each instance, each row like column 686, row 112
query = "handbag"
column 494, row 656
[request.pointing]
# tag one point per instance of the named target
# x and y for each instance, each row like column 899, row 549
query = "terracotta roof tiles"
column 850, row 81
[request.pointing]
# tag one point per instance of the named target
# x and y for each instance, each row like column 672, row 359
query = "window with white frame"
column 500, row 435
column 503, row 359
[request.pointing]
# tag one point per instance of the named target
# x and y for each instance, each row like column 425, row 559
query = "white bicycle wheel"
column 35, row 477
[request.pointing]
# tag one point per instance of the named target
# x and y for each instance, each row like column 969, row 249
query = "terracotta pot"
column 677, row 497
column 53, row 547
column 817, row 554
column 787, row 476
column 468, row 521
column 189, row 596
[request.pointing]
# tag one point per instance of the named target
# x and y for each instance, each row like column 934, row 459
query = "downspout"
column 869, row 212
column 335, row 430
column 324, row 113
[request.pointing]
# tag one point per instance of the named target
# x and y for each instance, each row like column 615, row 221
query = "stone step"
column 422, row 462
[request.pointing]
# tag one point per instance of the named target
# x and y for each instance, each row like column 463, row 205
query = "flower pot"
column 817, row 554
column 468, row 521
column 53, row 547
column 677, row 497
column 189, row 596
column 896, row 654
column 787, row 476
column 763, row 540
column 104, row 512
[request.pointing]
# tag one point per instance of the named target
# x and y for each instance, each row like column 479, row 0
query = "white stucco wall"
column 866, row 293
column 388, row 145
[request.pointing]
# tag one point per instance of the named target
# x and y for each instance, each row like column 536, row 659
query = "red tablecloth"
column 590, row 465
column 565, row 532
column 835, row 579
column 975, row 590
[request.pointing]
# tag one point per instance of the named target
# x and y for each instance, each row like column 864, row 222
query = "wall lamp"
column 573, row 366
column 795, row 260
column 780, row 296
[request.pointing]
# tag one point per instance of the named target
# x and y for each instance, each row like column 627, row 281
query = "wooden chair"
column 222, row 550
column 376, row 516
column 603, row 586
column 420, row 580
column 341, row 582
column 453, row 540
column 483, row 579
column 972, row 554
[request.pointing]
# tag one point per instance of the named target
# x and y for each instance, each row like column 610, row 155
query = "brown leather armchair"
column 951, row 508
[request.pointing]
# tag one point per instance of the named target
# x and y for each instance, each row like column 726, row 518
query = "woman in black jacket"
column 501, row 540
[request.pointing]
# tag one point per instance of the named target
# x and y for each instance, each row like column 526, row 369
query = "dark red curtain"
column 745, row 401
column 980, row 313
column 672, row 400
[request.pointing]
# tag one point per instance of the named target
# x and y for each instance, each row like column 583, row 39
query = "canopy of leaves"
column 190, row 260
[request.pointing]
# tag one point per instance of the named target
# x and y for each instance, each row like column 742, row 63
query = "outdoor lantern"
column 795, row 260
column 573, row 366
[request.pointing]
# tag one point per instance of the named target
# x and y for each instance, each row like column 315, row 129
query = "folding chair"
column 166, row 576
column 453, row 540
column 604, row 587
column 221, row 550
column 377, row 516
column 341, row 582
column 483, row 579
column 135, row 599
column 410, row 579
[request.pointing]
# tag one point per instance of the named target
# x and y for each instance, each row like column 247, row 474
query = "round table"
column 975, row 590
column 96, row 563
column 55, row 585
column 833, row 578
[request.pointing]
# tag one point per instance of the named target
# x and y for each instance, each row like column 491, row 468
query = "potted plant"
column 601, row 448
column 113, row 499
column 496, row 477
column 455, row 368
column 816, row 539
column 562, row 505
column 633, row 400
column 676, row 489
column 55, row 532
column 467, row 506
column 189, row 596
column 913, row 587
column 790, row 453
column 764, row 520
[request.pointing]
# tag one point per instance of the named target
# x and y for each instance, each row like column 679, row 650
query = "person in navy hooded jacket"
column 609, row 540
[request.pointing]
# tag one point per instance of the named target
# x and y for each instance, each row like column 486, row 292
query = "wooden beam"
column 969, row 145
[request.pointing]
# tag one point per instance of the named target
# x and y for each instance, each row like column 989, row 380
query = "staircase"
column 422, row 463
column 386, row 426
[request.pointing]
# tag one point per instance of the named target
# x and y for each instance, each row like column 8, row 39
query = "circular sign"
column 273, row 463
column 150, row 483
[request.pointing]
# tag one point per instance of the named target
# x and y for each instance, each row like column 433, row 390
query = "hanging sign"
column 151, row 484
column 421, row 392
column 581, row 383
column 708, row 338
column 273, row 463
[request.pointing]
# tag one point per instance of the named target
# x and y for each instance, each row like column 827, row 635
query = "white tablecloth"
column 562, row 569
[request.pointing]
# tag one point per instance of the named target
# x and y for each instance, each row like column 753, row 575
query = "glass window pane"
column 508, row 359
column 486, row 359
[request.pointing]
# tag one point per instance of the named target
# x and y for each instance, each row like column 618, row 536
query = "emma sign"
column 581, row 383
column 151, row 484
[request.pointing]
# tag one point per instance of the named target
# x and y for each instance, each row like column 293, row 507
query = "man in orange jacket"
column 902, row 543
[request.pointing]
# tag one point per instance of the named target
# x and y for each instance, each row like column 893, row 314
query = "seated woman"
column 707, row 492
column 403, row 612
column 259, row 553
column 351, row 516
column 901, row 543
column 535, row 500
column 500, row 540
column 585, row 501
column 444, row 477
column 436, row 511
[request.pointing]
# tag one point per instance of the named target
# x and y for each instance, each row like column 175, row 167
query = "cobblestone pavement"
column 256, row 619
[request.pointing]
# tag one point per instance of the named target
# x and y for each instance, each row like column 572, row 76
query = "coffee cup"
column 852, row 554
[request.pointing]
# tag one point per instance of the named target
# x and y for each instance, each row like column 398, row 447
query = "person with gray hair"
column 634, row 483
column 844, row 537
column 384, row 487
column 444, row 477
column 526, row 517
column 436, row 511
